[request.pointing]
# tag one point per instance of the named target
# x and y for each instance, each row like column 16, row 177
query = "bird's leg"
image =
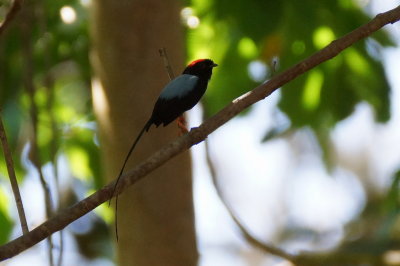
column 181, row 121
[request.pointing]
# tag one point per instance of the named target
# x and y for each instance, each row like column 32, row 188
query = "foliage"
column 45, row 96
column 256, row 36
column 280, row 34
column 250, row 40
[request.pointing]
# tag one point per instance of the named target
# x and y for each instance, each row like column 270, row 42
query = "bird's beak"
column 214, row 65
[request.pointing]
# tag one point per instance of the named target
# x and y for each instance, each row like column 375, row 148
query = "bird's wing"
column 179, row 87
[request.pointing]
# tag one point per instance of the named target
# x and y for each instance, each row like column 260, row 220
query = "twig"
column 181, row 121
column 246, row 234
column 13, row 179
column 15, row 7
column 196, row 135
column 28, row 71
column 48, row 82
column 164, row 55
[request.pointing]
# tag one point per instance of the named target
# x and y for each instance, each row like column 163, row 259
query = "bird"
column 179, row 95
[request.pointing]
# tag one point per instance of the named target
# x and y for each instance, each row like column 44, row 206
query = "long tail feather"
column 145, row 128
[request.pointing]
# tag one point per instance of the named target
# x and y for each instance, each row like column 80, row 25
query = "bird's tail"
column 145, row 128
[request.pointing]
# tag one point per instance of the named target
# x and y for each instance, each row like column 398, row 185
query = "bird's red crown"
column 195, row 62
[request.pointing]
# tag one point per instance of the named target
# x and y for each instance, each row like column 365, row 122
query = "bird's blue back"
column 179, row 87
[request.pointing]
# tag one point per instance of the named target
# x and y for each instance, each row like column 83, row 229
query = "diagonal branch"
column 15, row 7
column 168, row 67
column 28, row 18
column 13, row 178
column 268, row 248
column 196, row 135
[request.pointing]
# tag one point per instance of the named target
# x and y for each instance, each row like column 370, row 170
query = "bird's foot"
column 181, row 121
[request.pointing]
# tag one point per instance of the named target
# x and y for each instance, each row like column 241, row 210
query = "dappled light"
column 303, row 173
column 312, row 90
column 322, row 37
column 68, row 14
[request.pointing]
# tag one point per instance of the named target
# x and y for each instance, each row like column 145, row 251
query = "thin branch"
column 28, row 71
column 13, row 178
column 164, row 55
column 15, row 7
column 196, row 135
column 181, row 121
column 48, row 83
column 244, row 231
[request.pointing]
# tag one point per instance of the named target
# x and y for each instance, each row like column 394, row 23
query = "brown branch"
column 27, row 21
column 243, row 230
column 15, row 7
column 164, row 55
column 196, row 135
column 48, row 83
column 13, row 178
column 181, row 121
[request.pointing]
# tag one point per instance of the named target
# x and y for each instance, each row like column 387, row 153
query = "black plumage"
column 182, row 93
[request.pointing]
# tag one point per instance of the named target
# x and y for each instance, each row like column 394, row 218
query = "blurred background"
column 313, row 170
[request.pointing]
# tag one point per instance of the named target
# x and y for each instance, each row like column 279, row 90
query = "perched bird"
column 178, row 96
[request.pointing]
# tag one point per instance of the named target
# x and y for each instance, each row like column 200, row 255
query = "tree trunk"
column 156, row 217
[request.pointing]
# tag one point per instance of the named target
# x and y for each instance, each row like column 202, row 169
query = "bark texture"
column 156, row 217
